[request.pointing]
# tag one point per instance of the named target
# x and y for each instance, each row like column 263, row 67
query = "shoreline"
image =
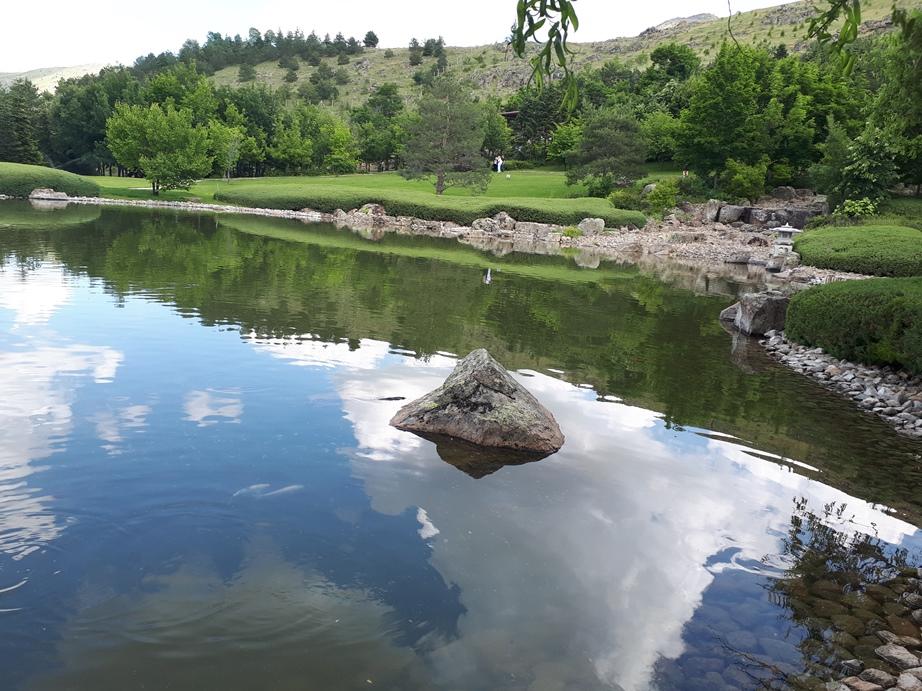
column 689, row 245
column 715, row 243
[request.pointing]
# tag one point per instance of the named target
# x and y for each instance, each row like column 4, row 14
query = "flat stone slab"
column 482, row 404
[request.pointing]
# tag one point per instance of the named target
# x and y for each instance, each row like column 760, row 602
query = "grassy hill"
column 46, row 78
column 497, row 72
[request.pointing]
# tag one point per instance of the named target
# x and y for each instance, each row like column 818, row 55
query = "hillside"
column 497, row 72
column 46, row 78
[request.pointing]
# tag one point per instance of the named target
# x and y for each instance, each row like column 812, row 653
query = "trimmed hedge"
column 877, row 321
column 872, row 249
column 462, row 210
column 18, row 180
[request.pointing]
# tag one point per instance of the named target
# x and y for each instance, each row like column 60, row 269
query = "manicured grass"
column 877, row 321
column 18, row 180
column 526, row 183
column 533, row 195
column 403, row 202
column 877, row 250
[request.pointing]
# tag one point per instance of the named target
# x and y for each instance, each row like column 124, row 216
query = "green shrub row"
column 462, row 210
column 18, row 180
column 871, row 249
column 877, row 321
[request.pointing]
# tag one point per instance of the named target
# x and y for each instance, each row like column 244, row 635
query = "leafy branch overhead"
column 559, row 17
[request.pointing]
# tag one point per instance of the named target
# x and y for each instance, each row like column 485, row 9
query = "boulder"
column 879, row 677
column 897, row 656
column 761, row 312
column 504, row 221
column 785, row 193
column 647, row 189
column 730, row 213
column 487, row 225
column 537, row 230
column 758, row 215
column 482, row 404
column 46, row 193
column 738, row 258
column 712, row 210
column 591, row 226
column 373, row 210
column 729, row 314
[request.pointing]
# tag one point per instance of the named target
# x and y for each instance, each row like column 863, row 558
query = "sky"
column 60, row 33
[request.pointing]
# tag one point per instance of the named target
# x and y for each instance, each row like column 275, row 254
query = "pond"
column 199, row 488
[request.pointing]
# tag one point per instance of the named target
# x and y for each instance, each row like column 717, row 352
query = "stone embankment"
column 896, row 662
column 893, row 395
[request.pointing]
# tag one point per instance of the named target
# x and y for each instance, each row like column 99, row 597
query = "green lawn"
column 526, row 183
column 18, row 180
column 533, row 195
column 878, row 250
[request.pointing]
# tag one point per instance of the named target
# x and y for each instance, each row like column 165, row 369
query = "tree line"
column 752, row 118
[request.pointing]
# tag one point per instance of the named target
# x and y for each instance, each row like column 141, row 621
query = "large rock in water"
column 761, row 312
column 482, row 404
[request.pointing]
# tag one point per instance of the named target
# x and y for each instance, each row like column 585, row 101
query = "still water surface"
column 199, row 488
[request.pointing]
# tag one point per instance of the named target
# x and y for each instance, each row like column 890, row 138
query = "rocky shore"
column 894, row 396
column 694, row 234
column 879, row 622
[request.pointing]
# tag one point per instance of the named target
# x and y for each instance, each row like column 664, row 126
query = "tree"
column 497, row 135
column 721, row 120
column 827, row 173
column 224, row 144
column 660, row 132
column 163, row 143
column 611, row 152
column 370, row 40
column 565, row 141
column 19, row 113
column 898, row 107
column 246, row 73
column 445, row 138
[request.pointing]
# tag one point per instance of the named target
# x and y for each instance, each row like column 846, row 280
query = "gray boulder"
column 738, row 258
column 591, row 226
column 504, row 221
column 730, row 213
column 482, row 404
column 761, row 312
column 45, row 193
column 729, row 314
column 897, row 656
column 649, row 187
column 712, row 210
column 536, row 230
column 784, row 192
column 487, row 225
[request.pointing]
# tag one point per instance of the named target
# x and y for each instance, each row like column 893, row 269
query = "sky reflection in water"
column 212, row 506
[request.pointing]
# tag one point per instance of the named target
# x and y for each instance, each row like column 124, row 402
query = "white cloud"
column 33, row 298
column 36, row 392
column 209, row 407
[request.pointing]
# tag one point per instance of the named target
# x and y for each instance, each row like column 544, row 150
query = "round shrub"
column 876, row 321
column 18, row 180
column 874, row 250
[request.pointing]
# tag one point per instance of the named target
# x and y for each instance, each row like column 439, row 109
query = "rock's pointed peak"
column 482, row 404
